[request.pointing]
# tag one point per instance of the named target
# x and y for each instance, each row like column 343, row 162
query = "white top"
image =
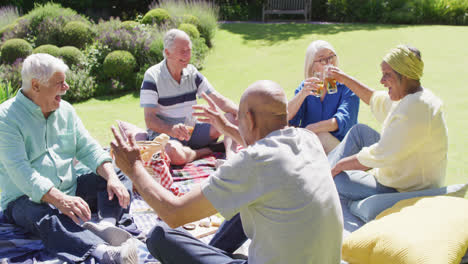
column 412, row 151
column 174, row 100
column 283, row 189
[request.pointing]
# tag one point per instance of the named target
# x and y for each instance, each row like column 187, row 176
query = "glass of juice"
column 329, row 82
column 318, row 92
column 190, row 122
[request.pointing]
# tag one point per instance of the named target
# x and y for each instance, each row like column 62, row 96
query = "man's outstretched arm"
column 175, row 211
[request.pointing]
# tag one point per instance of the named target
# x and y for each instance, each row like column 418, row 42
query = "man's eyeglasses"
column 327, row 60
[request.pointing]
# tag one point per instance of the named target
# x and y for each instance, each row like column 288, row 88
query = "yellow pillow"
column 423, row 230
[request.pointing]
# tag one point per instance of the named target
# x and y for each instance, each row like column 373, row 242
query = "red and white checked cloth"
column 160, row 168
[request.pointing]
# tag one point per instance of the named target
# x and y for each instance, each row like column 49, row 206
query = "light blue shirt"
column 37, row 154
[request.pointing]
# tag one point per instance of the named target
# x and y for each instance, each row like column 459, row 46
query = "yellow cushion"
column 424, row 230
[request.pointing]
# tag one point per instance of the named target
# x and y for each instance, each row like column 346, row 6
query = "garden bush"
column 156, row 16
column 8, row 14
column 10, row 79
column 77, row 34
column 399, row 11
column 199, row 52
column 71, row 55
column 120, row 64
column 191, row 30
column 206, row 12
column 156, row 51
column 136, row 41
column 189, row 19
column 46, row 11
column 129, row 24
column 82, row 84
column 18, row 29
column 51, row 30
column 49, row 49
column 14, row 49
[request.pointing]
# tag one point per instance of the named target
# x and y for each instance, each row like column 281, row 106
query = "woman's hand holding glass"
column 314, row 85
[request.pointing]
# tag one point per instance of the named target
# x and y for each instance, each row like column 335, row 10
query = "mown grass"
column 244, row 53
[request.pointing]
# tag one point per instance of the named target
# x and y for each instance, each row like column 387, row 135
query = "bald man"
column 280, row 184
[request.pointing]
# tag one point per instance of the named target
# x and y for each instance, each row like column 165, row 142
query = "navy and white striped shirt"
column 173, row 100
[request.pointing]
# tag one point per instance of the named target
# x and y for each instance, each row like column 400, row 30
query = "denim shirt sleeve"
column 347, row 112
column 15, row 162
column 297, row 119
column 88, row 150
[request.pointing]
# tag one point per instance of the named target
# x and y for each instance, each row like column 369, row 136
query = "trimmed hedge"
column 191, row 30
column 14, row 49
column 77, row 34
column 119, row 64
column 129, row 24
column 156, row 16
column 49, row 49
column 71, row 55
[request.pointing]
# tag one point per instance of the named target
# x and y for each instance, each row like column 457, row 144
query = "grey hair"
column 312, row 50
column 40, row 66
column 171, row 36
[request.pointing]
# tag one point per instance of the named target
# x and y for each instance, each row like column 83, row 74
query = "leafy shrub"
column 49, row 49
column 8, row 14
column 129, row 24
column 156, row 51
column 199, row 52
column 71, row 55
column 191, row 30
column 120, row 64
column 156, row 16
column 206, row 12
column 82, row 84
column 48, row 10
column 189, row 19
column 14, row 49
column 77, row 34
column 51, row 30
column 10, row 79
column 19, row 29
column 136, row 41
column 6, row 92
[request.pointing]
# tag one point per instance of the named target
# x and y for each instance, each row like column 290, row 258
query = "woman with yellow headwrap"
column 411, row 152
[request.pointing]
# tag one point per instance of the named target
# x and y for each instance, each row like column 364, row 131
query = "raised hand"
column 211, row 114
column 126, row 156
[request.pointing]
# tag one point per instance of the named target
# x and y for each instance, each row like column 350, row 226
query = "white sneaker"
column 111, row 234
column 125, row 254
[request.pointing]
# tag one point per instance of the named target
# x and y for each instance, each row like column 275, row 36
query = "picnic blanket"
column 18, row 246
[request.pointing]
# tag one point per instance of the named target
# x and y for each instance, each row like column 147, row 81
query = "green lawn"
column 244, row 53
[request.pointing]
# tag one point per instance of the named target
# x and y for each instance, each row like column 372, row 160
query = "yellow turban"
column 405, row 62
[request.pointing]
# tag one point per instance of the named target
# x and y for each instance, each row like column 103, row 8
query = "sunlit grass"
column 244, row 53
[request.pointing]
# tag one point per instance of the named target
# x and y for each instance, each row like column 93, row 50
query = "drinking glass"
column 329, row 82
column 190, row 122
column 318, row 92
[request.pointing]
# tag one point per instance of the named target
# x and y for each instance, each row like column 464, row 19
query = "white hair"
column 171, row 36
column 312, row 50
column 40, row 66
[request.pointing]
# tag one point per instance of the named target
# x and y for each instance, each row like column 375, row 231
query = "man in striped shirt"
column 169, row 91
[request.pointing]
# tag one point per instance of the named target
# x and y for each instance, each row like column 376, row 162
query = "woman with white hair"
column 330, row 116
column 411, row 152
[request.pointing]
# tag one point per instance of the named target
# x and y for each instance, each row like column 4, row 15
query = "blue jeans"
column 178, row 246
column 230, row 235
column 355, row 184
column 60, row 235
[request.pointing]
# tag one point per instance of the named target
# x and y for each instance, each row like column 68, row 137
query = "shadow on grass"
column 280, row 32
